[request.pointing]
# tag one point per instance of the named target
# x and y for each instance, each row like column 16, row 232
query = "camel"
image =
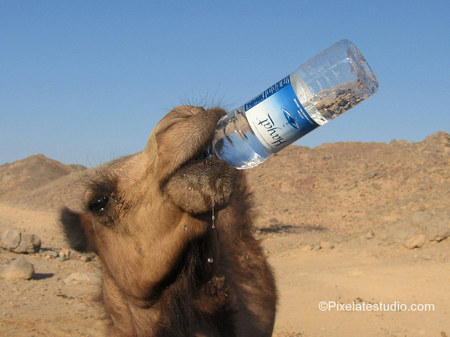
column 173, row 232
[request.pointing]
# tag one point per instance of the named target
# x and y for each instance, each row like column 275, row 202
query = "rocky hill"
column 23, row 176
column 354, row 186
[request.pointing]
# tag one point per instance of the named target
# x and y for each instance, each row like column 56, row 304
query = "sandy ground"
column 352, row 276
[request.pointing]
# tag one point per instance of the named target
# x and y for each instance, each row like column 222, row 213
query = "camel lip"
column 202, row 151
column 202, row 154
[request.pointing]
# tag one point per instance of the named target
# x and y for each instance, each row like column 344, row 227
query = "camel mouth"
column 202, row 161
column 201, row 156
column 191, row 177
column 201, row 151
column 182, row 138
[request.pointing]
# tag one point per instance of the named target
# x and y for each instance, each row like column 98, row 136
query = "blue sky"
column 86, row 81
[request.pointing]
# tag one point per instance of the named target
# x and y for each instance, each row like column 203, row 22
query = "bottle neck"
column 209, row 153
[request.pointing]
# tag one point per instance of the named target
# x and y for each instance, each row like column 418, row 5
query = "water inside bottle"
column 334, row 82
column 333, row 102
column 236, row 143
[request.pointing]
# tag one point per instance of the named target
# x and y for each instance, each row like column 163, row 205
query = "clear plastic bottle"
column 318, row 91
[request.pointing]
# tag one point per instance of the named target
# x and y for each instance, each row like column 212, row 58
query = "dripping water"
column 213, row 221
column 213, row 215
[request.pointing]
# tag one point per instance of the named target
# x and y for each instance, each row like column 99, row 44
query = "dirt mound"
column 22, row 176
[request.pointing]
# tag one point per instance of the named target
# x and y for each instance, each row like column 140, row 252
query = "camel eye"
column 98, row 204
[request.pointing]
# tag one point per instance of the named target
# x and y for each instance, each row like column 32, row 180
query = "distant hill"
column 22, row 176
column 355, row 185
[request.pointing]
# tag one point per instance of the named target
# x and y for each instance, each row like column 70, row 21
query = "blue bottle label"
column 277, row 117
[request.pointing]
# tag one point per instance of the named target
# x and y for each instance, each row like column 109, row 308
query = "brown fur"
column 166, row 270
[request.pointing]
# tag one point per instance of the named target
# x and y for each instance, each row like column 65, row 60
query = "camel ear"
column 78, row 230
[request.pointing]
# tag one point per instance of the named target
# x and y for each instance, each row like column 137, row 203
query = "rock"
column 18, row 269
column 87, row 258
column 50, row 254
column 435, row 227
column 82, row 278
column 416, row 241
column 65, row 254
column 29, row 243
column 376, row 186
column 420, row 218
column 326, row 245
column 306, row 248
column 399, row 142
column 402, row 232
column 316, row 247
column 16, row 241
column 438, row 228
column 11, row 238
column 408, row 235
column 370, row 235
column 438, row 142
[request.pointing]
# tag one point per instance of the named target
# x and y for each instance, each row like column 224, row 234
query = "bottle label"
column 277, row 117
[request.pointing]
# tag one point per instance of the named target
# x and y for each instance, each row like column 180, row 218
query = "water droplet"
column 210, row 260
column 213, row 216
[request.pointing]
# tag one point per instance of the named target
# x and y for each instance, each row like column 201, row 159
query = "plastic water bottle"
column 318, row 91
